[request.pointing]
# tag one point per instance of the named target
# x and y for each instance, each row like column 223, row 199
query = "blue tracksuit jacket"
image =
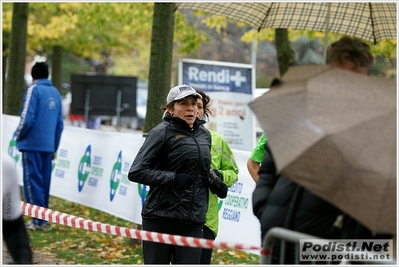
column 41, row 121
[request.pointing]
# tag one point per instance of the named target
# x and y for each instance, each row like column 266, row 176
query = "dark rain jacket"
column 170, row 148
column 279, row 202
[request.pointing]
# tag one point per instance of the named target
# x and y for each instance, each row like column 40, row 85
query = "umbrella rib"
column 372, row 23
column 266, row 15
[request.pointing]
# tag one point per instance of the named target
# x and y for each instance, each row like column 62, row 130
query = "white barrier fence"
column 91, row 169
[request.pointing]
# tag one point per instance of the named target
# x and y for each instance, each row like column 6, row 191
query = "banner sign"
column 230, row 87
column 92, row 166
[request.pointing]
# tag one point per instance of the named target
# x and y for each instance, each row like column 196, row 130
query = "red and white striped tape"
column 78, row 222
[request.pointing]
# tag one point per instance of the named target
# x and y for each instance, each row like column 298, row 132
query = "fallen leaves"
column 69, row 245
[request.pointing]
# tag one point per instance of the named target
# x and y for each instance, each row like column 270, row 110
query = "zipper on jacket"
column 196, row 172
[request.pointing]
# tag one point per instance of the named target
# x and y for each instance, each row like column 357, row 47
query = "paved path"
column 39, row 258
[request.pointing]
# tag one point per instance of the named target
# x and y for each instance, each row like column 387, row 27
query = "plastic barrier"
column 78, row 222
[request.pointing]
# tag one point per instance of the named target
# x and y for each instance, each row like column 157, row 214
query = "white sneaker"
column 30, row 226
column 44, row 227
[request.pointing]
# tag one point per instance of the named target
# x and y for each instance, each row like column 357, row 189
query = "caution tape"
column 79, row 222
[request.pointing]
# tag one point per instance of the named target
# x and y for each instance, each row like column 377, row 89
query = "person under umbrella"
column 280, row 202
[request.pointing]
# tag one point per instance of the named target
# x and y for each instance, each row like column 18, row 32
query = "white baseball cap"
column 180, row 92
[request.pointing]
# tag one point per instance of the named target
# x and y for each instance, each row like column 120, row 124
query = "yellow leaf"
column 86, row 212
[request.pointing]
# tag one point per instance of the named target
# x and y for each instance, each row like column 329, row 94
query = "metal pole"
column 254, row 53
column 326, row 33
column 87, row 106
column 281, row 233
column 118, row 107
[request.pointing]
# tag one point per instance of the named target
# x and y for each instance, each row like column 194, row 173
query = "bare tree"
column 56, row 69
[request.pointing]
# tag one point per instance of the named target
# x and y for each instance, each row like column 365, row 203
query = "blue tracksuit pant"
column 37, row 177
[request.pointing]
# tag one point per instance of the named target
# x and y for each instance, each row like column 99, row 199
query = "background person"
column 256, row 157
column 14, row 231
column 38, row 136
column 348, row 53
column 174, row 161
column 224, row 165
column 279, row 202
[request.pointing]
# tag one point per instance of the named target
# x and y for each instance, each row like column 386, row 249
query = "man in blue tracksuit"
column 38, row 137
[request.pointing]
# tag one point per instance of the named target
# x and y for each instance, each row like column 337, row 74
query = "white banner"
column 230, row 87
column 91, row 169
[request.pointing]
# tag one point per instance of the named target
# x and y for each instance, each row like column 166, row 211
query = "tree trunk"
column 285, row 54
column 56, row 67
column 6, row 46
column 104, row 64
column 4, row 65
column 159, row 81
column 15, row 83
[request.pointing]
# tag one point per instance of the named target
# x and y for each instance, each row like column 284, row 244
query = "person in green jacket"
column 224, row 165
column 256, row 157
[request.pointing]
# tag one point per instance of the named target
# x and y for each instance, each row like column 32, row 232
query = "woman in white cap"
column 174, row 161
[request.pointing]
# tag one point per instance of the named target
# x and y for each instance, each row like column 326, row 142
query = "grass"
column 78, row 246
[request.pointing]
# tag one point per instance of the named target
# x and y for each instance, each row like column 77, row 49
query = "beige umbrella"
column 372, row 21
column 334, row 132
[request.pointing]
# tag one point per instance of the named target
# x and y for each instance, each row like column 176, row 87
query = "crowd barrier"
column 79, row 222
column 286, row 235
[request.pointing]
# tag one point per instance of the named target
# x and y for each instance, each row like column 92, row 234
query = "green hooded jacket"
column 259, row 151
column 222, row 160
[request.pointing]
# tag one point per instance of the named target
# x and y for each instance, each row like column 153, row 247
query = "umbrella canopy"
column 334, row 132
column 372, row 21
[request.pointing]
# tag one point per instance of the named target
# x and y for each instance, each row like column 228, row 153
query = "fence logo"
column 12, row 148
column 53, row 162
column 115, row 178
column 363, row 250
column 220, row 204
column 142, row 192
column 84, row 168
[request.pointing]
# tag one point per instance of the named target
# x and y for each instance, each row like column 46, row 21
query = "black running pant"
column 206, row 254
column 159, row 253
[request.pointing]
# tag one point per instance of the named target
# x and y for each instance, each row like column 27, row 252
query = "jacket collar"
column 183, row 123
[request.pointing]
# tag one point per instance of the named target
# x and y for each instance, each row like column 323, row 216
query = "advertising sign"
column 230, row 87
